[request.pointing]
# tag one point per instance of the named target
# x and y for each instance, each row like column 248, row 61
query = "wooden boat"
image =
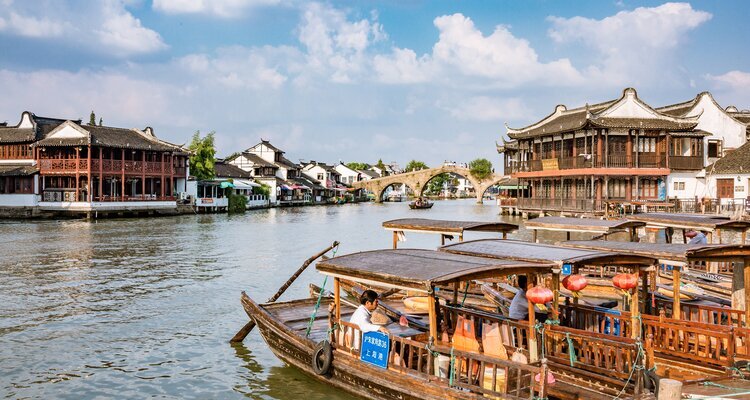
column 446, row 229
column 414, row 357
column 424, row 206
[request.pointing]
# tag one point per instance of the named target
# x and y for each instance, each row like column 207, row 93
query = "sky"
column 360, row 80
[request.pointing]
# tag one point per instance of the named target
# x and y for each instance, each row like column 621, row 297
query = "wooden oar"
column 242, row 333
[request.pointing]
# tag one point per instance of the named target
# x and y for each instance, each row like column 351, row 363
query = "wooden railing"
column 704, row 343
column 515, row 333
column 686, row 162
column 561, row 204
column 597, row 320
column 597, row 353
column 107, row 165
column 474, row 372
column 704, row 314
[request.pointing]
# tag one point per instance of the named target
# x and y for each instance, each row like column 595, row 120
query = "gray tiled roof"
column 16, row 135
column 257, row 160
column 224, row 170
column 736, row 162
column 107, row 136
column 18, row 170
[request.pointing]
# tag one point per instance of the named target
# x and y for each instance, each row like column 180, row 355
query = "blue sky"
column 360, row 80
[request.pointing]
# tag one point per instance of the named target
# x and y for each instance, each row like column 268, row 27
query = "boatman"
column 362, row 316
column 519, row 306
column 696, row 237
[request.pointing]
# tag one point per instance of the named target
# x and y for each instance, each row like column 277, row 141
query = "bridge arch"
column 384, row 189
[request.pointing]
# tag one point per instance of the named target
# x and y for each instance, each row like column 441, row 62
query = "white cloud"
column 105, row 27
column 336, row 46
column 119, row 99
column 483, row 108
column 32, row 27
column 735, row 80
column 219, row 8
column 631, row 45
column 462, row 51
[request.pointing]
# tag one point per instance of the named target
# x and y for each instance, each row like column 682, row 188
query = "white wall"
column 714, row 120
column 693, row 186
column 18, row 200
column 741, row 186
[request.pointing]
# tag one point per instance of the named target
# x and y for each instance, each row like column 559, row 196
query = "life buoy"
column 322, row 358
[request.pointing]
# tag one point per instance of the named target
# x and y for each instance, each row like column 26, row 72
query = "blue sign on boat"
column 567, row 269
column 375, row 347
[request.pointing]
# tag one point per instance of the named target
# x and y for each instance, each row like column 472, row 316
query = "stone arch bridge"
column 417, row 180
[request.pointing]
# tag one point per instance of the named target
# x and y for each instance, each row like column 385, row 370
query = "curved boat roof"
column 691, row 221
column 544, row 253
column 447, row 227
column 665, row 251
column 419, row 269
column 582, row 224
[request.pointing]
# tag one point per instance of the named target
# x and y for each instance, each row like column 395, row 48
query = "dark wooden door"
column 725, row 188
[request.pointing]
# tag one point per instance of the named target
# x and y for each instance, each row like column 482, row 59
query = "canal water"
column 136, row 308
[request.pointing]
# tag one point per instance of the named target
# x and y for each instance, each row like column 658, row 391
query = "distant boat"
column 425, row 205
column 395, row 197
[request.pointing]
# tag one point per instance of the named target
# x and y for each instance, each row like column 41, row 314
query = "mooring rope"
column 317, row 304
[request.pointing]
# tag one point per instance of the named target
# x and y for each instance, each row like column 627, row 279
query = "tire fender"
column 322, row 358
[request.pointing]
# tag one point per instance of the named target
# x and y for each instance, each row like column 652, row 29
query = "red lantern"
column 539, row 295
column 625, row 281
column 575, row 283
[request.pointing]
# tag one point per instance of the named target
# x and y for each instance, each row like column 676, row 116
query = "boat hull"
column 346, row 373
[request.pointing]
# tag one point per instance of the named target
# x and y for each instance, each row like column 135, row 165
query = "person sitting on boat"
column 362, row 316
column 696, row 237
column 519, row 306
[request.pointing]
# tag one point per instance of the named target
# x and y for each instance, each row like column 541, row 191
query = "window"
column 617, row 188
column 320, row 177
column 679, row 185
column 647, row 145
column 714, row 148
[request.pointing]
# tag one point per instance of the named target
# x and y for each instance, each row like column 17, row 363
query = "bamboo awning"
column 446, row 227
column 589, row 225
column 544, row 253
column 665, row 251
column 419, row 269
column 691, row 221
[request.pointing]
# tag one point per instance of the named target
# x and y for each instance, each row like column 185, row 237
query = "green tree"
column 380, row 164
column 264, row 189
column 202, row 156
column 480, row 168
column 92, row 118
column 415, row 165
column 357, row 166
column 232, row 156
column 237, row 202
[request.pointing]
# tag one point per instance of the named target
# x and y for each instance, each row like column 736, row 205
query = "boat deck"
column 296, row 315
column 725, row 389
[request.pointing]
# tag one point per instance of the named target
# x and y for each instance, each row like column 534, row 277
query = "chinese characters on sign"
column 375, row 347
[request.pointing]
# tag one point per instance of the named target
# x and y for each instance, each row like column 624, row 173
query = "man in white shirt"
column 696, row 237
column 361, row 317
column 519, row 306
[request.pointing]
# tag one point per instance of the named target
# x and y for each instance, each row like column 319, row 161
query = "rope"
column 451, row 370
column 571, row 350
column 636, row 367
column 320, row 297
column 712, row 384
column 466, row 291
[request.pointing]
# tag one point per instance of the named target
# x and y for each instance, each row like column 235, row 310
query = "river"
column 135, row 308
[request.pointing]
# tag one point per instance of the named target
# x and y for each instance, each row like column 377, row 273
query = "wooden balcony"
column 686, row 162
column 110, row 167
column 645, row 160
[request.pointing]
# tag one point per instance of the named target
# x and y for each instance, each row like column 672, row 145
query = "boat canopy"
column 691, row 221
column 665, row 251
column 420, row 269
column 547, row 254
column 589, row 225
column 446, row 227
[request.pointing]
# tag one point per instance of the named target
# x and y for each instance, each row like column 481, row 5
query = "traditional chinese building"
column 623, row 150
column 63, row 166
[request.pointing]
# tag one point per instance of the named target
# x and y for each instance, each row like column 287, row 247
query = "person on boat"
column 519, row 306
column 696, row 237
column 363, row 315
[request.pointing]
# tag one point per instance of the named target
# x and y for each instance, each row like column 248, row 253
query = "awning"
column 285, row 187
column 244, row 184
column 226, row 184
column 300, row 187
